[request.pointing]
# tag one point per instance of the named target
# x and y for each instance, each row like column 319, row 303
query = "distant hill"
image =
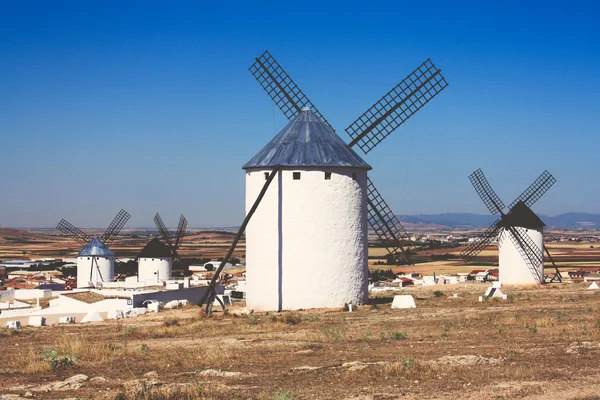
column 476, row 221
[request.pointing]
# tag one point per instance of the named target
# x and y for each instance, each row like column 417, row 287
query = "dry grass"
column 190, row 391
column 528, row 336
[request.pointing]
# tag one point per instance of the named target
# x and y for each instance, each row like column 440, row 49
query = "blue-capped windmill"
column 95, row 261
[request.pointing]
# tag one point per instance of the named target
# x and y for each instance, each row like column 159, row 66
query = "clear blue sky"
column 149, row 106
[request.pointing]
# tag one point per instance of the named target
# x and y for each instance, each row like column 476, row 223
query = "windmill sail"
column 385, row 223
column 181, row 228
column 481, row 243
column 281, row 88
column 172, row 242
column 115, row 227
column 70, row 231
column 396, row 106
column 536, row 190
column 162, row 229
column 486, row 193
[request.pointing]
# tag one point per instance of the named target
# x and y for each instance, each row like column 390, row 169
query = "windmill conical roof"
column 95, row 247
column 155, row 249
column 521, row 215
column 307, row 142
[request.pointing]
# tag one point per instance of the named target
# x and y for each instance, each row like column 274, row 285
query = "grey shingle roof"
column 307, row 142
column 95, row 248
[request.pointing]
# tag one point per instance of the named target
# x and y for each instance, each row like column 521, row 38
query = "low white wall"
column 32, row 293
column 6, row 295
column 129, row 284
column 192, row 295
column 65, row 305
column 19, row 312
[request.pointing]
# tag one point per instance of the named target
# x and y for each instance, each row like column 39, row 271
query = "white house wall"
column 23, row 294
column 306, row 245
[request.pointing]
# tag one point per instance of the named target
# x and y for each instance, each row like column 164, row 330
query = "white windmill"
column 95, row 262
column 155, row 260
column 308, row 246
column 519, row 232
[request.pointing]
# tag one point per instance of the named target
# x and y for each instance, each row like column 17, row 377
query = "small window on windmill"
column 296, row 176
column 354, row 175
column 327, row 176
column 266, row 176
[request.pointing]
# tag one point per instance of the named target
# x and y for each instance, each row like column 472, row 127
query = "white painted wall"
column 65, row 305
column 306, row 245
column 513, row 268
column 154, row 269
column 6, row 295
column 104, row 271
column 20, row 312
column 22, row 294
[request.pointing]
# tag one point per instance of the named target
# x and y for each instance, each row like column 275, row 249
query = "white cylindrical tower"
column 154, row 262
column 306, row 245
column 515, row 266
column 95, row 264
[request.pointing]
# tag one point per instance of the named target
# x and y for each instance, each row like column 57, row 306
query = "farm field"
column 14, row 243
column 213, row 245
column 543, row 342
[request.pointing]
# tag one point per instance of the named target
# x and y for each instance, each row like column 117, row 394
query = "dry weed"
column 197, row 390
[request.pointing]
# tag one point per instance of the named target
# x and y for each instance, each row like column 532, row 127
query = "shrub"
column 58, row 359
column 130, row 330
column 171, row 322
column 393, row 335
column 312, row 317
column 438, row 293
column 292, row 318
column 288, row 318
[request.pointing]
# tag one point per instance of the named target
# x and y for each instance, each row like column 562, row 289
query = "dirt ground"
column 543, row 342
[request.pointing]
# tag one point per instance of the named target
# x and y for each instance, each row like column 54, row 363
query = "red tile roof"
column 476, row 271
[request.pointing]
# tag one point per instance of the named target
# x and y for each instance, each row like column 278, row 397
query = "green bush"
column 171, row 322
column 59, row 360
column 393, row 335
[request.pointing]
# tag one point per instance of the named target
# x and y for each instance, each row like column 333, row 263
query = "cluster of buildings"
column 402, row 279
column 47, row 297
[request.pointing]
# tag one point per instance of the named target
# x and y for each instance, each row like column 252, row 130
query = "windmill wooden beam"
column 210, row 293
